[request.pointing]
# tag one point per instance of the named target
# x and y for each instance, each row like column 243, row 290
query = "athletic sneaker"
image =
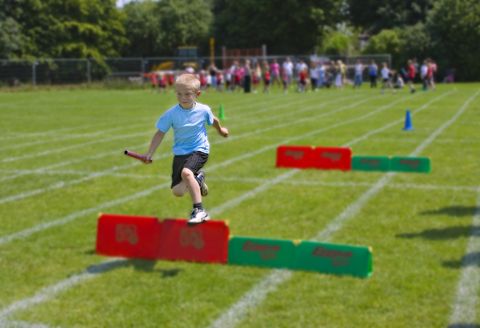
column 201, row 182
column 198, row 216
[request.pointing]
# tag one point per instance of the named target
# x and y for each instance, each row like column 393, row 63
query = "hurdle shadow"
column 457, row 211
column 137, row 264
column 442, row 234
column 470, row 259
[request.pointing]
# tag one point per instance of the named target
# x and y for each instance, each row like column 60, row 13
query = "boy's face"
column 186, row 96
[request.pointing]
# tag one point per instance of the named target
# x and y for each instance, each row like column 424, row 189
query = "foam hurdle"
column 371, row 163
column 206, row 242
column 410, row 164
column 334, row 259
column 263, row 252
column 128, row 236
column 332, row 158
column 294, row 157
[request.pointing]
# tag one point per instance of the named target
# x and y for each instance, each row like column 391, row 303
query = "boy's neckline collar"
column 193, row 106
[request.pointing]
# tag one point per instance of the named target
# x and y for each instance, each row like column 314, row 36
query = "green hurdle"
column 410, row 164
column 307, row 255
column 334, row 258
column 371, row 163
column 395, row 164
column 273, row 253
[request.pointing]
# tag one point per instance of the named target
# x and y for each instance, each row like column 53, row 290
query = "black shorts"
column 194, row 161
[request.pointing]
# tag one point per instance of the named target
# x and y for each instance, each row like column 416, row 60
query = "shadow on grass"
column 446, row 233
column 140, row 265
column 458, row 211
column 464, row 325
column 471, row 259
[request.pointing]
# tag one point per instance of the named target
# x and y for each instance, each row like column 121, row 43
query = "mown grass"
column 417, row 224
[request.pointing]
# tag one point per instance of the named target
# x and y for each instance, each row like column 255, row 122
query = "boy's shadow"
column 458, row 210
column 137, row 264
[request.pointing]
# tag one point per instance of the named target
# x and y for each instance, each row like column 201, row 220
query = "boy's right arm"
column 156, row 141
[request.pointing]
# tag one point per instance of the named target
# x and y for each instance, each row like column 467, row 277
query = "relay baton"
column 137, row 156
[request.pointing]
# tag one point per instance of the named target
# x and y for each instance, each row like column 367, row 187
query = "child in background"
column 266, row 77
column 191, row 147
column 386, row 77
column 411, row 72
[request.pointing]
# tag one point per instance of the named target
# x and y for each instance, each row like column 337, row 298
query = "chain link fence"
column 57, row 71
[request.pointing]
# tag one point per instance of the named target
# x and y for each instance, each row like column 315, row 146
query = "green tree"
column 415, row 43
column 454, row 27
column 184, row 23
column 143, row 29
column 341, row 41
column 76, row 28
column 376, row 15
column 285, row 26
column 12, row 40
column 385, row 42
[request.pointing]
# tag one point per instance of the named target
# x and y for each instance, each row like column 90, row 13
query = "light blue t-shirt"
column 189, row 131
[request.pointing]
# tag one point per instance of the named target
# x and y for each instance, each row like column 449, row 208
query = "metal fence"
column 53, row 71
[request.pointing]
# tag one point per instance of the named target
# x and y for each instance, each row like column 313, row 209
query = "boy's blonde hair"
column 189, row 81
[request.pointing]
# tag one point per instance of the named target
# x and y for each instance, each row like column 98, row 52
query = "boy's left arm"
column 221, row 130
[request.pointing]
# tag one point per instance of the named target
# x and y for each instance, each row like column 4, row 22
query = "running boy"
column 191, row 146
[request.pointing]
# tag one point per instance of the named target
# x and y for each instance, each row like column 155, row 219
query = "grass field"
column 61, row 164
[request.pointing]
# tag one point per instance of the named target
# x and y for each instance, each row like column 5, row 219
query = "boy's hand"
column 223, row 132
column 148, row 158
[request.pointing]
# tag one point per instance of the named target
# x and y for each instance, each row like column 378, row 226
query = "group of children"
column 260, row 75
column 397, row 79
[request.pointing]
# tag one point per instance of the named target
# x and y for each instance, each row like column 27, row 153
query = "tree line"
column 446, row 30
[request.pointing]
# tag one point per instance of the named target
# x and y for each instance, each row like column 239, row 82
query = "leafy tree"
column 415, row 43
column 385, row 42
column 12, row 41
column 56, row 28
column 454, row 26
column 376, row 15
column 183, row 23
column 341, row 41
column 143, row 29
column 285, row 26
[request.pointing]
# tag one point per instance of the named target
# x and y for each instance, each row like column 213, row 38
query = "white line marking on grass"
column 423, row 107
column 75, row 215
column 340, row 184
column 71, row 136
column 51, row 291
column 59, row 150
column 22, row 324
column 464, row 307
column 41, row 170
column 255, row 296
column 54, row 132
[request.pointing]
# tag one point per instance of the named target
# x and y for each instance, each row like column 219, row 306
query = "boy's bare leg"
column 188, row 178
column 180, row 189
